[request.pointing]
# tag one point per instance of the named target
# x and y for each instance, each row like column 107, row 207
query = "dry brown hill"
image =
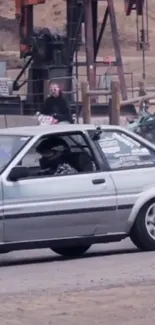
column 52, row 15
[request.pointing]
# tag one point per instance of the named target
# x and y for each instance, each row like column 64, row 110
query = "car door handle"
column 98, row 181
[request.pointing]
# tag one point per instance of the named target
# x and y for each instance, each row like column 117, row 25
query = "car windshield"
column 9, row 147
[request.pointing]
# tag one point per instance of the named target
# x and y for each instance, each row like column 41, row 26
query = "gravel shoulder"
column 126, row 305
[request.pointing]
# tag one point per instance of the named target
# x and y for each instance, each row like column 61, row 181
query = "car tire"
column 71, row 252
column 142, row 233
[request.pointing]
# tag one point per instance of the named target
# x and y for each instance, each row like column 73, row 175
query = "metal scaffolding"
column 78, row 13
column 92, row 41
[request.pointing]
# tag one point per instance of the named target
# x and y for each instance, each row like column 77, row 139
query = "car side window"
column 59, row 154
column 31, row 159
column 124, row 152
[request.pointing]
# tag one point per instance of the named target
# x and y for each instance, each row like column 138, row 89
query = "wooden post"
column 115, row 103
column 86, row 109
column 142, row 92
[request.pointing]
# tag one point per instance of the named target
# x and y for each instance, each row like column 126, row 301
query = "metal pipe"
column 143, row 47
column 147, row 21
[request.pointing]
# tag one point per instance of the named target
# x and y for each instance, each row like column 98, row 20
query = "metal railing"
column 115, row 101
column 26, row 101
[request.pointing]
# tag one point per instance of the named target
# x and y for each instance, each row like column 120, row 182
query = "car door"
column 132, row 165
column 1, row 213
column 41, row 208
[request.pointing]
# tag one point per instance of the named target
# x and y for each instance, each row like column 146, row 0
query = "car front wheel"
column 71, row 251
column 143, row 231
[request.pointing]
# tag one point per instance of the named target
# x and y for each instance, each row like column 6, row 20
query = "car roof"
column 59, row 128
column 37, row 130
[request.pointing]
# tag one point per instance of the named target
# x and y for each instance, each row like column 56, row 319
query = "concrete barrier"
column 8, row 121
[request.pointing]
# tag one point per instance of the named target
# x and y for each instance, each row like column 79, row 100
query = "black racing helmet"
column 53, row 151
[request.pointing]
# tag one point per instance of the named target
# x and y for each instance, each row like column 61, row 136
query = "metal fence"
column 103, row 81
column 24, row 102
column 30, row 97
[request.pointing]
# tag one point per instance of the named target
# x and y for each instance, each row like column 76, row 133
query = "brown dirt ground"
column 129, row 305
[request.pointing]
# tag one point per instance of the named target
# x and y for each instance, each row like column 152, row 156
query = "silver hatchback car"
column 70, row 186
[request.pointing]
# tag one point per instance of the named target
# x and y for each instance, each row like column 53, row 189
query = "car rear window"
column 122, row 151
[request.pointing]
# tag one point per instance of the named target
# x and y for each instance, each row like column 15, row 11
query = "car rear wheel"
column 143, row 231
column 71, row 251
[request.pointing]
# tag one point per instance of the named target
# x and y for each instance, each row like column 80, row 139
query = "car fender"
column 143, row 198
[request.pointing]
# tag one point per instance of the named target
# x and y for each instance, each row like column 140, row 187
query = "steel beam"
column 95, row 22
column 116, row 43
column 89, row 43
column 92, row 42
column 134, row 5
column 129, row 6
column 103, row 25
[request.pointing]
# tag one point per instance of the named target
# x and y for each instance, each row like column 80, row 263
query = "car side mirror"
column 18, row 172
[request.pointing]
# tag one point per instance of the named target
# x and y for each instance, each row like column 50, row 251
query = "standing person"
column 56, row 105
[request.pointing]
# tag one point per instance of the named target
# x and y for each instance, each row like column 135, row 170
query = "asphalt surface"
column 107, row 265
column 32, row 282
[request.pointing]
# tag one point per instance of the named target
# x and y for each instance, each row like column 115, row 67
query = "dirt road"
column 112, row 284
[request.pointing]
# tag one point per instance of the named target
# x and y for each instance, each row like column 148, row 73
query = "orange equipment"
column 24, row 15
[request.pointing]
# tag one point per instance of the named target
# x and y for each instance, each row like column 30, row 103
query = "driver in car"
column 54, row 153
